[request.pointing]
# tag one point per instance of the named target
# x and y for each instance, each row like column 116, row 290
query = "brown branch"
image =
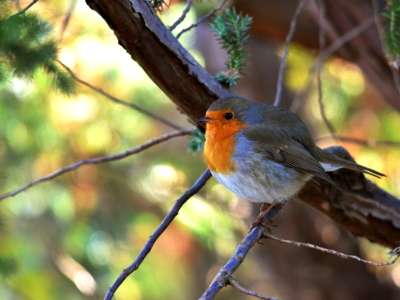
column 158, row 52
column 118, row 101
column 360, row 206
column 282, row 65
column 330, row 251
column 157, row 233
column 98, row 160
column 211, row 13
column 322, row 42
column 236, row 284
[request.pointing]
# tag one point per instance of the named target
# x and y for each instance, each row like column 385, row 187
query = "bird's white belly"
column 263, row 188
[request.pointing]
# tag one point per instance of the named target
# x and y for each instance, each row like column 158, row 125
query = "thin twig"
column 67, row 17
column 337, row 253
column 116, row 100
column 98, row 160
column 160, row 229
column 369, row 143
column 322, row 41
column 222, row 278
column 24, row 10
column 236, row 284
column 345, row 38
column 328, row 52
column 183, row 16
column 201, row 19
column 378, row 23
column 289, row 38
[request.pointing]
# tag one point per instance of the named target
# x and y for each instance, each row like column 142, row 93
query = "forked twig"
column 202, row 19
column 183, row 16
column 98, row 160
column 160, row 229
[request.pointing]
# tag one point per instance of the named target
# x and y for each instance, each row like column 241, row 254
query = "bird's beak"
column 204, row 120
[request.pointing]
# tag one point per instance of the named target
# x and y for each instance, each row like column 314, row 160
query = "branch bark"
column 360, row 206
column 158, row 52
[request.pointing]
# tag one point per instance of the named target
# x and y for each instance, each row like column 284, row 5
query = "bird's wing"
column 277, row 145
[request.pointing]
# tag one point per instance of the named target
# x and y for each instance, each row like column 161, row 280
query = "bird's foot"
column 265, row 209
column 260, row 222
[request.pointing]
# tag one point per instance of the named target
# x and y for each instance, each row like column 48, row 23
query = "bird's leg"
column 265, row 209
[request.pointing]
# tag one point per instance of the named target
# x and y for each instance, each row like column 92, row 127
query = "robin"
column 264, row 153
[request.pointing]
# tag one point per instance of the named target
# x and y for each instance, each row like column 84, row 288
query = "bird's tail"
column 336, row 161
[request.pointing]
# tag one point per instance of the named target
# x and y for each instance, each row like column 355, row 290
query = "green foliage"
column 8, row 266
column 196, row 143
column 231, row 30
column 392, row 31
column 25, row 46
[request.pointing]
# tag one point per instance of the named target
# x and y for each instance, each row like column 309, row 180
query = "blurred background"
column 70, row 238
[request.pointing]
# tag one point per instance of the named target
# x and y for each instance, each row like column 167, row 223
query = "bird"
column 264, row 153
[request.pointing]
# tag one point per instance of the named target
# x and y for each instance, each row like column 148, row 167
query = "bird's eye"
column 228, row 116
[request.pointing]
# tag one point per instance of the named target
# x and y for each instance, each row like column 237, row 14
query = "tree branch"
column 160, row 229
column 98, row 160
column 211, row 13
column 236, row 284
column 159, row 53
column 282, row 65
column 118, row 101
column 322, row 42
column 225, row 273
column 139, row 30
column 331, row 251
column 183, row 16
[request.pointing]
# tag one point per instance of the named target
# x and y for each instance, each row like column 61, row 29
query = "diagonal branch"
column 116, row 100
column 160, row 229
column 225, row 273
column 98, row 160
column 183, row 16
column 158, row 52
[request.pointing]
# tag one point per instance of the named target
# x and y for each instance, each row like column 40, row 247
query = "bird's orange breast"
column 220, row 143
